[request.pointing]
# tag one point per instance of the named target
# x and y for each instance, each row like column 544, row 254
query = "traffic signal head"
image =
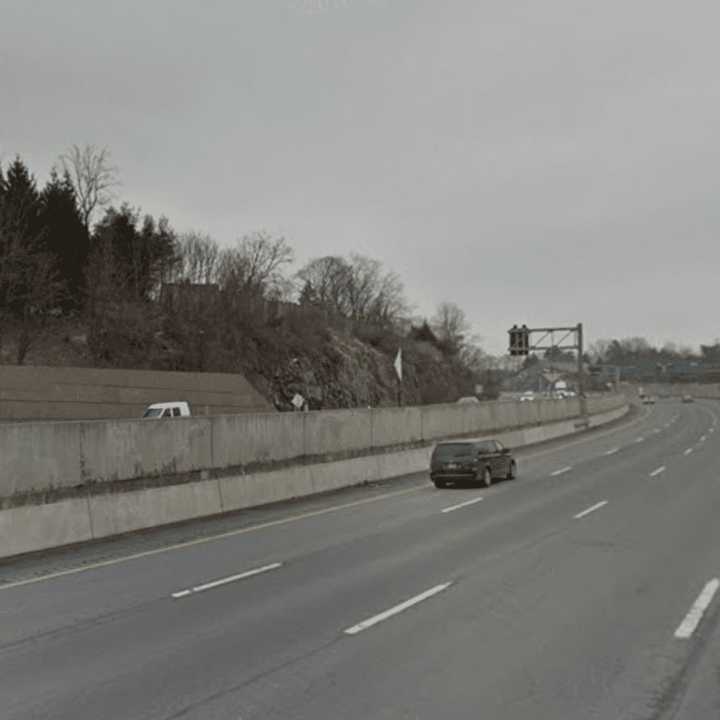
column 519, row 340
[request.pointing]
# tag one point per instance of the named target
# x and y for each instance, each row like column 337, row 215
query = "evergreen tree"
column 20, row 200
column 65, row 237
column 30, row 286
column 142, row 254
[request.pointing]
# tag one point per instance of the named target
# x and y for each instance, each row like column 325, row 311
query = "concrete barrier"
column 37, row 457
column 337, row 431
column 215, row 465
column 125, row 449
column 117, row 513
column 39, row 527
column 245, row 440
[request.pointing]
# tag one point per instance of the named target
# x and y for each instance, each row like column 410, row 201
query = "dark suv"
column 480, row 461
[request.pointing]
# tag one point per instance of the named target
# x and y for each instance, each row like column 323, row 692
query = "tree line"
column 69, row 248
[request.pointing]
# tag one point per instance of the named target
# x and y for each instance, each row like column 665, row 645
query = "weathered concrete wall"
column 36, row 527
column 40, row 457
column 49, row 393
column 66, row 482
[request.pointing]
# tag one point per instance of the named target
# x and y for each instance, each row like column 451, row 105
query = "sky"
column 535, row 162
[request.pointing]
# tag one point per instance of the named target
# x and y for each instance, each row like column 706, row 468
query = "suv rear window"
column 153, row 412
column 453, row 450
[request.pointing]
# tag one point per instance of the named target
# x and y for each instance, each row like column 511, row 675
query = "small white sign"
column 399, row 365
column 298, row 401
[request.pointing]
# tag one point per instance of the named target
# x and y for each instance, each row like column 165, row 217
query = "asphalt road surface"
column 586, row 588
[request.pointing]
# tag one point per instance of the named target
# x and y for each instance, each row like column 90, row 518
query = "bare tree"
column 451, row 325
column 326, row 280
column 255, row 267
column 93, row 176
column 199, row 258
column 358, row 289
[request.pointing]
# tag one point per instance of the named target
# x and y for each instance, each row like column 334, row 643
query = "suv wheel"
column 512, row 471
column 487, row 477
column 440, row 483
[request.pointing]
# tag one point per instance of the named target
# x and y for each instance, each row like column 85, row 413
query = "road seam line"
column 461, row 505
column 397, row 609
column 591, row 509
column 225, row 581
column 688, row 626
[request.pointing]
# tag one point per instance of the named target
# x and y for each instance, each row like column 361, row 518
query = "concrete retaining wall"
column 697, row 390
column 67, row 393
column 101, row 453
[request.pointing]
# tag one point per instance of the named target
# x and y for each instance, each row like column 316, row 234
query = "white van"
column 167, row 410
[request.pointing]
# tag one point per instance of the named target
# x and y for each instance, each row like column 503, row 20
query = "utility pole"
column 580, row 382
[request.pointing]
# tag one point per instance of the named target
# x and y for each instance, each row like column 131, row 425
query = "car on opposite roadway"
column 688, row 398
column 156, row 411
column 648, row 400
column 477, row 461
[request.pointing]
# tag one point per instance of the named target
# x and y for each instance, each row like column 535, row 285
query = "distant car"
column 468, row 400
column 167, row 410
column 478, row 461
column 688, row 398
column 648, row 400
column 527, row 397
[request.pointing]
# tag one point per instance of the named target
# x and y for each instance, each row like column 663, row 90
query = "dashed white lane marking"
column 561, row 471
column 591, row 509
column 209, row 539
column 613, row 451
column 225, row 581
column 375, row 619
column 688, row 626
column 703, row 438
column 689, row 451
column 462, row 505
column 658, row 471
column 640, row 439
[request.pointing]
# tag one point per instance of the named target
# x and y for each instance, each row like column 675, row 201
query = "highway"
column 586, row 588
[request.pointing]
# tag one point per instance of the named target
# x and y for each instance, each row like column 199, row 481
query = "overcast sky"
column 541, row 162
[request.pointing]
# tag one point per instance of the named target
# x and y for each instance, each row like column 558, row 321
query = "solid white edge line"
column 209, row 539
column 688, row 626
column 591, row 509
column 461, row 505
column 561, row 471
column 613, row 451
column 375, row 619
column 658, row 471
column 689, row 451
column 226, row 580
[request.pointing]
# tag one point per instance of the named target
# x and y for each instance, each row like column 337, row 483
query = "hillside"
column 281, row 356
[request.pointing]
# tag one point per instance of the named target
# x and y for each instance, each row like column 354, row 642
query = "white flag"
column 398, row 365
